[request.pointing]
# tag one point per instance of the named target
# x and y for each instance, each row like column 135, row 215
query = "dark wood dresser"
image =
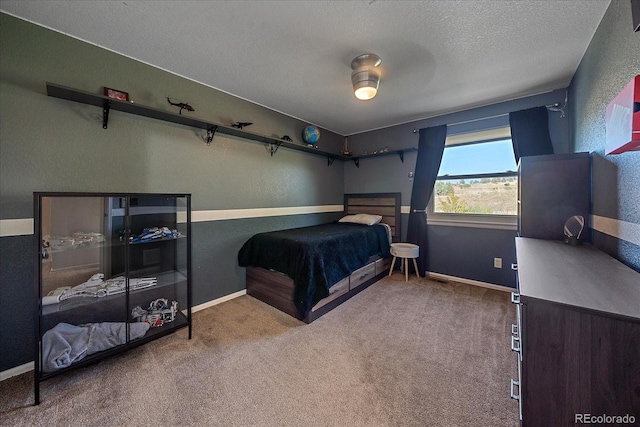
column 578, row 335
column 551, row 189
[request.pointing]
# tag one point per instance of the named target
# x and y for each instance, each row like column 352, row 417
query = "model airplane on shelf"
column 153, row 233
column 182, row 105
column 97, row 287
column 240, row 125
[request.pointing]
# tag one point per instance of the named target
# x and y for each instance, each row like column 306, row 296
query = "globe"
column 311, row 134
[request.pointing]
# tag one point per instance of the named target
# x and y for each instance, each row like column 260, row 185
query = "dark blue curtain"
column 430, row 149
column 530, row 132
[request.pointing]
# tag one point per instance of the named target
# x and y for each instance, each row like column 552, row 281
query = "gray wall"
column 610, row 62
column 49, row 144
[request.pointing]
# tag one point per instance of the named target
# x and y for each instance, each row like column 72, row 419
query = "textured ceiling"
column 294, row 56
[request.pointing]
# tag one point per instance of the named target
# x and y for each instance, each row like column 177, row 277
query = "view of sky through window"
column 471, row 159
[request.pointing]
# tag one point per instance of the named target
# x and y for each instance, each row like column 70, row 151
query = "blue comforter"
column 315, row 257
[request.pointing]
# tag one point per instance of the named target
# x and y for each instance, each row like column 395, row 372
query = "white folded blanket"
column 65, row 344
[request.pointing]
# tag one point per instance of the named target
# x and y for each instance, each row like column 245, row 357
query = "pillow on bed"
column 365, row 219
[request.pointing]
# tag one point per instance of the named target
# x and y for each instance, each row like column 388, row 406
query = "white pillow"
column 365, row 219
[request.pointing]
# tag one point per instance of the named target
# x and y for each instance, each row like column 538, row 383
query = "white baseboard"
column 218, row 301
column 470, row 282
column 16, row 371
column 29, row 366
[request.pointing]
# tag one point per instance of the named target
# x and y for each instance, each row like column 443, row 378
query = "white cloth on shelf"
column 65, row 344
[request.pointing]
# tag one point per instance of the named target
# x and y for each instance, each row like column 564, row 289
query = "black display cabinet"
column 112, row 271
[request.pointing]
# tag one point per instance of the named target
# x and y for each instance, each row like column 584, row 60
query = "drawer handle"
column 513, row 394
column 514, row 329
column 513, row 344
column 515, row 297
column 363, row 276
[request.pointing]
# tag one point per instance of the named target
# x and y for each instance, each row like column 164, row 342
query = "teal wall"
column 610, row 62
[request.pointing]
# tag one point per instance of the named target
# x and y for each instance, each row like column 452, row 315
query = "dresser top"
column 580, row 276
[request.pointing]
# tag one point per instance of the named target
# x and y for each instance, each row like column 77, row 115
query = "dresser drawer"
column 361, row 275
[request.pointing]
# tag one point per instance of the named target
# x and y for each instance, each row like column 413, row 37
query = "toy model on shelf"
column 155, row 233
column 240, row 125
column 159, row 312
column 181, row 105
column 95, row 287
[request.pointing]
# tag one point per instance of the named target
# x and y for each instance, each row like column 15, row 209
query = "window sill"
column 496, row 224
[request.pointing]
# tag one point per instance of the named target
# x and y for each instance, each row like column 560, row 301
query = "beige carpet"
column 421, row 353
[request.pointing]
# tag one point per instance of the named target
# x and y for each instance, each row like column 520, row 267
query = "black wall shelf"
column 108, row 104
column 400, row 153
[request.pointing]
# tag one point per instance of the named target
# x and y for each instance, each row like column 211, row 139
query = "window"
column 477, row 182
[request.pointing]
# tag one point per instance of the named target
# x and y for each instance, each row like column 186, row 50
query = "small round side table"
column 405, row 251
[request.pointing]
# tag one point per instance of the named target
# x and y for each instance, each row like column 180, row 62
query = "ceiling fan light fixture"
column 365, row 90
column 365, row 76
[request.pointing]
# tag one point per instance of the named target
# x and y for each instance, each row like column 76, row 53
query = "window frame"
column 503, row 222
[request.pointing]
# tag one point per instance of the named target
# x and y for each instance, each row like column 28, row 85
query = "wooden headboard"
column 385, row 204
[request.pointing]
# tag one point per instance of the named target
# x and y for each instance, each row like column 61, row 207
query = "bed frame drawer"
column 382, row 265
column 339, row 289
column 276, row 289
column 361, row 275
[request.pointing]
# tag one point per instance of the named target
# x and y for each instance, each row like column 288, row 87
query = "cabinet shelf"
column 108, row 104
column 164, row 281
column 180, row 321
column 50, row 250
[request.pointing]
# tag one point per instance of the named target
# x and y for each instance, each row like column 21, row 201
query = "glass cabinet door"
column 157, row 261
column 77, row 292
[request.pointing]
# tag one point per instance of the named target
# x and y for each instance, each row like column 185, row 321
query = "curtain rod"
column 555, row 107
column 472, row 120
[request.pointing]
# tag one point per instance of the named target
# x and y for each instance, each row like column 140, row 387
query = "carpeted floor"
column 421, row 353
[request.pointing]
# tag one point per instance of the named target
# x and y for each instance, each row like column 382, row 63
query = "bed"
column 308, row 271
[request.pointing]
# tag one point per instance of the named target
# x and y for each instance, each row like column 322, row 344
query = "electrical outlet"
column 497, row 262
